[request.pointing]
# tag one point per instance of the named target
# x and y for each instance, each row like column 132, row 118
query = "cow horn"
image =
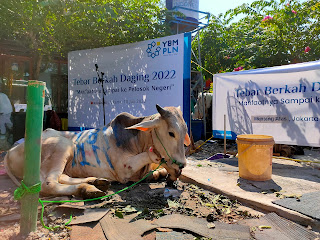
column 163, row 112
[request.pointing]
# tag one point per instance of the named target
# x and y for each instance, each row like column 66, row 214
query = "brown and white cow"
column 85, row 163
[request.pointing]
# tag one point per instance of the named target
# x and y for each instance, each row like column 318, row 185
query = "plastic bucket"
column 255, row 156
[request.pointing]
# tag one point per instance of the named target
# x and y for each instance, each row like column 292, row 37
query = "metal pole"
column 103, row 102
column 100, row 80
column 203, row 107
column 224, row 134
column 34, row 124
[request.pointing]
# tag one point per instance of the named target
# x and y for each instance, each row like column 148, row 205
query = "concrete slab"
column 288, row 178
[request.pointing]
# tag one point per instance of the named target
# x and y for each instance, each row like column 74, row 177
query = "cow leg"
column 139, row 161
column 157, row 172
column 83, row 190
column 55, row 155
column 162, row 172
column 133, row 164
column 52, row 186
column 100, row 183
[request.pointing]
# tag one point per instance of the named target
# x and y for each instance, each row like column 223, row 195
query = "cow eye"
column 171, row 134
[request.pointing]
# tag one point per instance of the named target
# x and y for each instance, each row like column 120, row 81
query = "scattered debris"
column 261, row 227
column 213, row 147
column 211, row 225
column 170, row 192
column 283, row 195
column 10, row 217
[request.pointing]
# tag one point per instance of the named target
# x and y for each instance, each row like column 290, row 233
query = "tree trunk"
column 37, row 56
column 37, row 65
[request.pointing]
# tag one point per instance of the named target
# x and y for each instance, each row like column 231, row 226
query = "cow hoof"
column 160, row 173
column 101, row 183
column 156, row 175
column 89, row 194
column 92, row 195
column 87, row 191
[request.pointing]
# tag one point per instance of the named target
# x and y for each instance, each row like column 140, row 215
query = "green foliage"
column 50, row 27
column 255, row 41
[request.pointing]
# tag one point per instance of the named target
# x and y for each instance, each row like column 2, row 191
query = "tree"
column 55, row 27
column 271, row 33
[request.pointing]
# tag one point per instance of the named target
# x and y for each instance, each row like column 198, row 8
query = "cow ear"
column 186, row 140
column 146, row 125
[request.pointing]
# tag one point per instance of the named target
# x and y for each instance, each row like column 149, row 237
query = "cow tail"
column 6, row 166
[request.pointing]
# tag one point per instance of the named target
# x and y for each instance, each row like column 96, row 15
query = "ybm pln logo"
column 164, row 48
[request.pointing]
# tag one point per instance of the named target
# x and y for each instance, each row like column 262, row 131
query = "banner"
column 136, row 77
column 283, row 102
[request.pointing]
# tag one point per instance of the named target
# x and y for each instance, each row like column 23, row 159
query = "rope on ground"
column 193, row 151
column 203, row 143
column 296, row 160
column 88, row 200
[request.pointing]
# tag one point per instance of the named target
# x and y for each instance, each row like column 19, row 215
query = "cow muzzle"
column 178, row 172
column 175, row 174
column 174, row 169
column 179, row 164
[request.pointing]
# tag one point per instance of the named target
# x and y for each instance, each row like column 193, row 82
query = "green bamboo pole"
column 34, row 124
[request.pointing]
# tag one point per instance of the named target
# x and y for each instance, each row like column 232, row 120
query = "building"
column 17, row 67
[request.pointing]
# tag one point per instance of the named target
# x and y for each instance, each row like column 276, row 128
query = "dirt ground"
column 147, row 200
column 150, row 200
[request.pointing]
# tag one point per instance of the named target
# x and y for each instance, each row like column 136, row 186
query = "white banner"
column 137, row 76
column 283, row 102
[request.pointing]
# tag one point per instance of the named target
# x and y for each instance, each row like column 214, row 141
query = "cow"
column 84, row 164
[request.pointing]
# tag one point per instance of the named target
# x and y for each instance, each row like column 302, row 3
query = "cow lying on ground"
column 125, row 150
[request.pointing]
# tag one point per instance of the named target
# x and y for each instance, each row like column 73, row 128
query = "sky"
column 220, row 6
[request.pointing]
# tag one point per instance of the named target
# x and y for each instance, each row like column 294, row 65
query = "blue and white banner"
column 283, row 102
column 137, row 76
